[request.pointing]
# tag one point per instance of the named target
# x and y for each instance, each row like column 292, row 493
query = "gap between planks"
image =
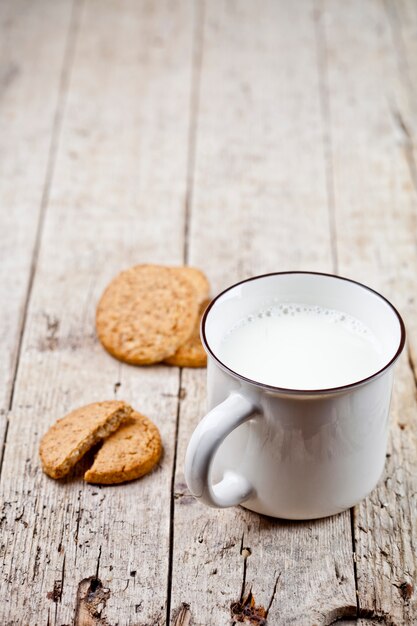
column 325, row 109
column 197, row 60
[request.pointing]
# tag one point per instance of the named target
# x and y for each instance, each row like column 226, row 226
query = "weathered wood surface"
column 35, row 42
column 121, row 169
column 242, row 138
column 256, row 132
column 376, row 222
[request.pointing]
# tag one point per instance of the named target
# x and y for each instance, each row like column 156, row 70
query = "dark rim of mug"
column 289, row 390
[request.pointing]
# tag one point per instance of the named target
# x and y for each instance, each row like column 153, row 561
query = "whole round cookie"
column 132, row 451
column 191, row 353
column 197, row 278
column 146, row 313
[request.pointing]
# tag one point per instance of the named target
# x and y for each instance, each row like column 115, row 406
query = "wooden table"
column 241, row 137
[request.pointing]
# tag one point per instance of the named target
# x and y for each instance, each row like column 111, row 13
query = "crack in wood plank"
column 197, row 54
column 355, row 568
column 172, row 503
column 412, row 364
column 98, row 561
column 273, row 594
column 408, row 144
column 245, row 609
column 245, row 552
column 77, row 523
column 56, row 594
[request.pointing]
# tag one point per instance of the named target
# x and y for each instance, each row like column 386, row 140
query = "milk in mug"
column 299, row 346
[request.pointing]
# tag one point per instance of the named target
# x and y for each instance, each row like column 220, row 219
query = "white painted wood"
column 376, row 209
column 117, row 198
column 34, row 40
column 259, row 204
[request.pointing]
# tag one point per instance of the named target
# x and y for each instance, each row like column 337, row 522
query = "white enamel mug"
column 292, row 453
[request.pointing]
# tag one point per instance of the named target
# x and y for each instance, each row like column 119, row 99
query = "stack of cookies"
column 131, row 443
column 151, row 314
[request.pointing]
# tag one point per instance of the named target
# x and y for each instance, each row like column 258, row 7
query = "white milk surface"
column 298, row 346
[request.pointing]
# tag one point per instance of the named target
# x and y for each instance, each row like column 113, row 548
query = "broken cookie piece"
column 130, row 452
column 71, row 437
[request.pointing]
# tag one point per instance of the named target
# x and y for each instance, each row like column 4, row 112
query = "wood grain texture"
column 117, row 198
column 35, row 45
column 256, row 133
column 376, row 217
column 260, row 174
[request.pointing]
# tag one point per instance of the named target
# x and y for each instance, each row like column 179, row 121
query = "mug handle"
column 204, row 443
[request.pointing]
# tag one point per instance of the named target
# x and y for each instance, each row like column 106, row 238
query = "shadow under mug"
column 290, row 453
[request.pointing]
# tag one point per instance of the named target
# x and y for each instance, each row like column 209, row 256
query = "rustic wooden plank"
column 117, row 198
column 35, row 43
column 402, row 18
column 259, row 204
column 375, row 201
